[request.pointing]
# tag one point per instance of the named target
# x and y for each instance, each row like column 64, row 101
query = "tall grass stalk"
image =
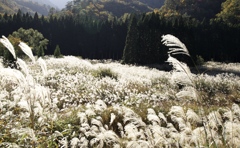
column 176, row 47
column 8, row 45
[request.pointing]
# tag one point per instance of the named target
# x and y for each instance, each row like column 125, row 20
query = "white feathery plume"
column 75, row 143
column 96, row 122
column 152, row 117
column 158, row 134
column 10, row 145
column 1, row 65
column 228, row 115
column 57, row 134
column 113, row 116
column 100, row 105
column 63, row 142
column 131, row 117
column 23, row 66
column 192, row 117
column 38, row 109
column 83, row 117
column 214, row 120
column 162, row 117
column 236, row 113
column 83, row 142
column 25, row 104
column 94, row 129
column 188, row 92
column 177, row 111
column 89, row 112
column 232, row 133
column 8, row 45
column 15, row 75
column 120, row 128
column 181, row 69
column 176, row 46
column 185, row 138
column 24, row 132
column 131, row 131
column 43, row 66
column 84, row 127
column 199, row 136
column 27, row 50
column 107, row 137
column 95, row 142
column 151, row 111
column 138, row 144
column 171, row 128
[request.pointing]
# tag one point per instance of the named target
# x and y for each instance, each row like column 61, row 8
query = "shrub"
column 199, row 60
column 104, row 72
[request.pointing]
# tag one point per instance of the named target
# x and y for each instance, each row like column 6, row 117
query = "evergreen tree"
column 57, row 52
column 40, row 52
column 130, row 53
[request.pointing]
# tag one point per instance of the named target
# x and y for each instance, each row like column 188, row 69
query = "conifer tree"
column 130, row 53
column 57, row 52
column 40, row 52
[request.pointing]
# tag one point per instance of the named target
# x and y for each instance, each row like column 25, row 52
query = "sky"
column 60, row 3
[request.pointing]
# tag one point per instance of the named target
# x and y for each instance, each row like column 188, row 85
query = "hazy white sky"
column 60, row 3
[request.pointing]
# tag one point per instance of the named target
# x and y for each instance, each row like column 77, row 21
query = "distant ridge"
column 30, row 6
column 107, row 9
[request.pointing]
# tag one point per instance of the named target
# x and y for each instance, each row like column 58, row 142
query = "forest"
column 136, row 38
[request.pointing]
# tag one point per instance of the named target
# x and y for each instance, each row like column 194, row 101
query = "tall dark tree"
column 131, row 49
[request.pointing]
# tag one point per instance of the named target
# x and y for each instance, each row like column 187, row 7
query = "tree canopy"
column 199, row 9
column 230, row 13
column 33, row 38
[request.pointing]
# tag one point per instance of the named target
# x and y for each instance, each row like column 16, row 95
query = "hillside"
column 107, row 9
column 12, row 6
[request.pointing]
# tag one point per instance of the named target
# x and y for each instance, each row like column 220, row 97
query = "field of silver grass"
column 71, row 102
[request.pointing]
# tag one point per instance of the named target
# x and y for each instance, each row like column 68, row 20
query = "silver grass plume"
column 176, row 46
column 15, row 75
column 27, row 50
column 25, row 132
column 43, row 66
column 23, row 66
column 192, row 117
column 181, row 72
column 188, row 92
column 75, row 142
column 100, row 106
column 236, row 113
column 137, row 144
column 8, row 45
column 8, row 144
column 152, row 117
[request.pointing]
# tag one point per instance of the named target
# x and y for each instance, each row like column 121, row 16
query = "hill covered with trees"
column 109, row 9
column 30, row 6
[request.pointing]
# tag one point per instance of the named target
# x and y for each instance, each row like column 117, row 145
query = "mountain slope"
column 106, row 9
column 31, row 6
